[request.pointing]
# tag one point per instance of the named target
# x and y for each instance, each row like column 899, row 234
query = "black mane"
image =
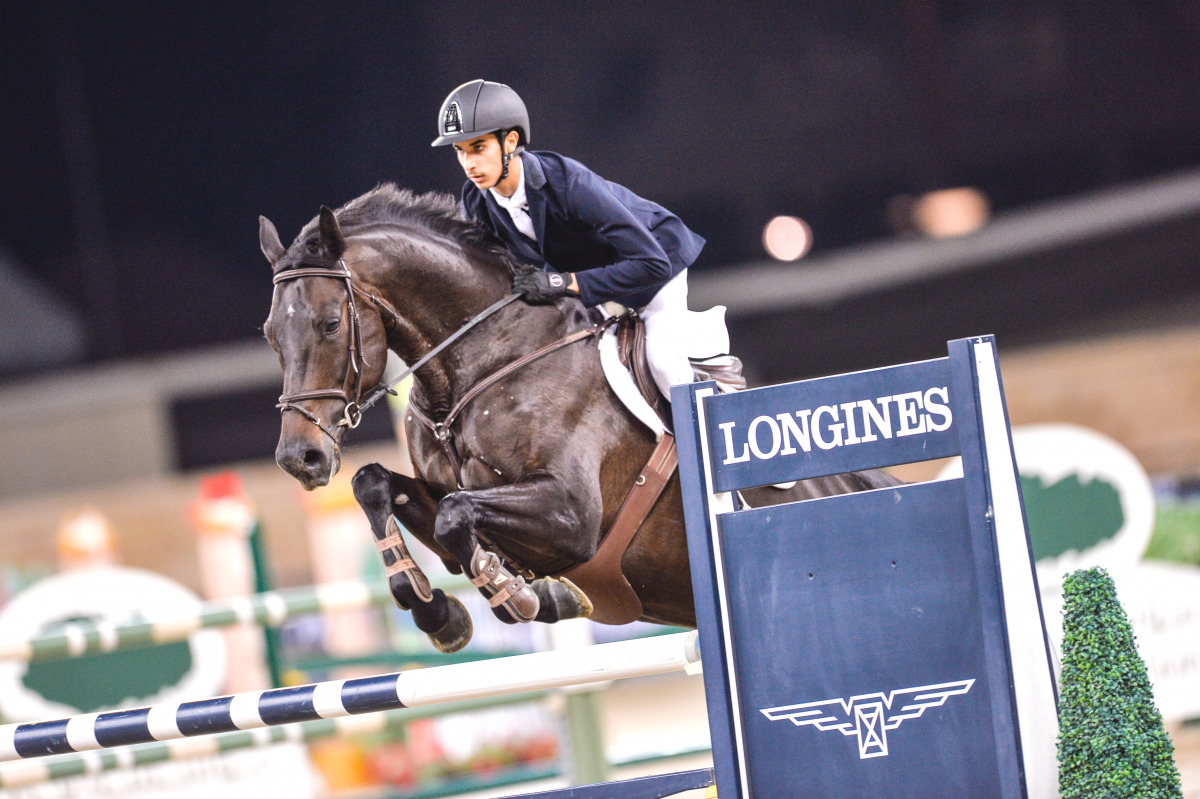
column 437, row 212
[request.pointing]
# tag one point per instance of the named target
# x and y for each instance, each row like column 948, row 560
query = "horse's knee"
column 455, row 518
column 578, row 540
column 371, row 486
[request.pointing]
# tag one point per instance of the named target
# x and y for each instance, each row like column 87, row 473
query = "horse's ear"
column 268, row 240
column 331, row 233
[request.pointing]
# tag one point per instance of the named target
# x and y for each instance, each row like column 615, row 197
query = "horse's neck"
column 511, row 333
column 434, row 304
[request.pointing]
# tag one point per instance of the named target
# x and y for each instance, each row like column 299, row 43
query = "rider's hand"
column 541, row 287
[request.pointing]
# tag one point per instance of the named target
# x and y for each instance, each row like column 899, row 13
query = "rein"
column 353, row 411
column 382, row 389
column 442, row 430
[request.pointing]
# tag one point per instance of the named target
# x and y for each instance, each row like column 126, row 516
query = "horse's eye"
column 331, row 326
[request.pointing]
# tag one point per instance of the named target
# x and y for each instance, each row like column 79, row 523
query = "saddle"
column 631, row 349
column 726, row 370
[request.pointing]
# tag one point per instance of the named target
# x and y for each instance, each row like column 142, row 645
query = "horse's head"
column 331, row 344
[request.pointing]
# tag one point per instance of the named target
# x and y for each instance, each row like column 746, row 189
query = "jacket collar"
column 535, row 178
column 525, row 249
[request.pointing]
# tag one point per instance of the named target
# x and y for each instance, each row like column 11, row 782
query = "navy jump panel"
column 857, row 645
column 885, row 643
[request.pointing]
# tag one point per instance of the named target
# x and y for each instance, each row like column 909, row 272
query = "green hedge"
column 1176, row 533
column 1111, row 740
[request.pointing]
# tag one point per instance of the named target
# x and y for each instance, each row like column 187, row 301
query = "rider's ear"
column 331, row 233
column 268, row 240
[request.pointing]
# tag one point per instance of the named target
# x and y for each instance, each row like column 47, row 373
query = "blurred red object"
column 225, row 485
column 537, row 748
column 390, row 763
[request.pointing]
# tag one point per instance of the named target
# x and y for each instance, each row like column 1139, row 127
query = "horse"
column 526, row 478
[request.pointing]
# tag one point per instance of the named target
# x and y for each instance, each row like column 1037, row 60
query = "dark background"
column 141, row 141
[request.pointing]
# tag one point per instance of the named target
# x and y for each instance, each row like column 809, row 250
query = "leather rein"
column 443, row 432
column 356, row 404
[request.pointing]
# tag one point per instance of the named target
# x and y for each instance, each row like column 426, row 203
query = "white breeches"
column 673, row 334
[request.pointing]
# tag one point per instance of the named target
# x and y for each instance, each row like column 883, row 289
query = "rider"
column 555, row 213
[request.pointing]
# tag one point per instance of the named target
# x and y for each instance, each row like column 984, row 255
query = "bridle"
column 355, row 404
column 352, row 413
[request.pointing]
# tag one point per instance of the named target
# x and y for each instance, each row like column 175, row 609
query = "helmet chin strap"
column 505, row 157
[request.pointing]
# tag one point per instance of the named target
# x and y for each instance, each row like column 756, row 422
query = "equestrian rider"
column 553, row 212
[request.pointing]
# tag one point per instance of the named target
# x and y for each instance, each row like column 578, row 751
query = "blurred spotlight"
column 950, row 212
column 85, row 540
column 787, row 238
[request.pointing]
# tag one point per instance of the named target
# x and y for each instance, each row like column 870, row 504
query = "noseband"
column 352, row 414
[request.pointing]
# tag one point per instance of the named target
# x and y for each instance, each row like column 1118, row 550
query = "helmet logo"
column 452, row 122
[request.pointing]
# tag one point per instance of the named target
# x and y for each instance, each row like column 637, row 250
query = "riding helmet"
column 480, row 107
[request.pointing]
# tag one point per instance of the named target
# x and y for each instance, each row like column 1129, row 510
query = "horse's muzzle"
column 312, row 464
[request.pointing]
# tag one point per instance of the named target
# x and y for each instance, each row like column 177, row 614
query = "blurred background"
column 872, row 178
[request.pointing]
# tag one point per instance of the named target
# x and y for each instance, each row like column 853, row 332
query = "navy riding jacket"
column 620, row 246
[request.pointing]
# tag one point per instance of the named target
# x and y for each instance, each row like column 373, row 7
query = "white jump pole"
column 337, row 698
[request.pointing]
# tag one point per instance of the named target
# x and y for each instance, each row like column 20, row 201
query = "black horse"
column 547, row 454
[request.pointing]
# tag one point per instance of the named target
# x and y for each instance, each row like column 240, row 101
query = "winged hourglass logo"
column 869, row 716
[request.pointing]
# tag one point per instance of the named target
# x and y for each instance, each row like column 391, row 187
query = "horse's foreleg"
column 540, row 512
column 385, row 497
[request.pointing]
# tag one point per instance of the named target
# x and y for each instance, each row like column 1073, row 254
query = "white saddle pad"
column 620, row 380
column 700, row 334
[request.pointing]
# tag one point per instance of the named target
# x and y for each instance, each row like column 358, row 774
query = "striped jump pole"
column 271, row 607
column 327, row 700
column 37, row 770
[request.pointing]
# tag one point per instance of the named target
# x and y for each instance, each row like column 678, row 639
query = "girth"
column 602, row 577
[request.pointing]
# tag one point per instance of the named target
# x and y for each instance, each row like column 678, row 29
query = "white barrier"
column 420, row 687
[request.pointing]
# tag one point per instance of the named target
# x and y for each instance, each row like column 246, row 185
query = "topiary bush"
column 1111, row 740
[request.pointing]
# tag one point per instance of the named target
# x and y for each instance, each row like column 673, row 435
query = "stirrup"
column 726, row 370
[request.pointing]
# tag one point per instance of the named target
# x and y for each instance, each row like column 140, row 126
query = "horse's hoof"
column 456, row 632
column 561, row 599
column 575, row 598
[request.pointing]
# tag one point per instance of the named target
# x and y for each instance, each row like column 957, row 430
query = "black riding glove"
column 542, row 287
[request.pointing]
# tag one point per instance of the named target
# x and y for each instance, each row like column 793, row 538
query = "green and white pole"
column 270, row 608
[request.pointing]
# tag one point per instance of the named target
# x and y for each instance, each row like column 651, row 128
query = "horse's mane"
column 436, row 212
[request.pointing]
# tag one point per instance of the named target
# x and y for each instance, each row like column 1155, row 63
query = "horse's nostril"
column 313, row 458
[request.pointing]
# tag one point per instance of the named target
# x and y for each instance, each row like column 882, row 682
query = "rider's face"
column 480, row 159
